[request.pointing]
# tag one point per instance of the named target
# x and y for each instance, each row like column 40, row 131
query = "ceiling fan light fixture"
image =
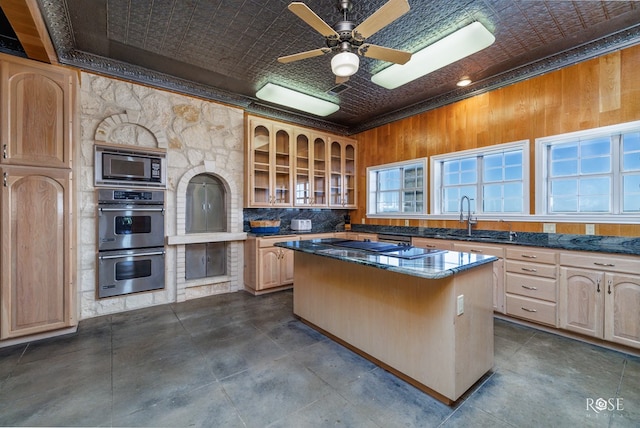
column 345, row 64
column 297, row 100
column 460, row 44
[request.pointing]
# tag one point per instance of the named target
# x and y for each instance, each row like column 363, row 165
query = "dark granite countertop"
column 434, row 266
column 596, row 243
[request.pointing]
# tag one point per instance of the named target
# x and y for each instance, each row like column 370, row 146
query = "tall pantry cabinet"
column 37, row 106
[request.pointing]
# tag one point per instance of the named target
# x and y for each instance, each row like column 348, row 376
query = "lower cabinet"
column 599, row 299
column 498, row 268
column 36, row 267
column 531, row 284
column 268, row 268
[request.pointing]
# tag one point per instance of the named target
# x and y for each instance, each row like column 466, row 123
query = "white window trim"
column 541, row 178
column 436, row 180
column 400, row 164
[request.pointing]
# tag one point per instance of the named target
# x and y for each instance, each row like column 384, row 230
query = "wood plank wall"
column 599, row 92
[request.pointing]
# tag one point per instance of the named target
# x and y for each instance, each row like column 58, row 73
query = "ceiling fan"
column 345, row 37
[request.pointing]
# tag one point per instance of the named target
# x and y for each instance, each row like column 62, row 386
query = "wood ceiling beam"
column 28, row 24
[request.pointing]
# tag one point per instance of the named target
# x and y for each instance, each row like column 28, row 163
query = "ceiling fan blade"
column 303, row 55
column 314, row 21
column 341, row 79
column 389, row 12
column 385, row 54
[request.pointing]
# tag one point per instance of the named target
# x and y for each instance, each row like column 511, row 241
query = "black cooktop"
column 402, row 251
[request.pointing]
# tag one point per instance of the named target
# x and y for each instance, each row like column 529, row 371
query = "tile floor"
column 237, row 360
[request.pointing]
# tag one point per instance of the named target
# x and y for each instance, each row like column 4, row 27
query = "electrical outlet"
column 590, row 229
column 406, row 222
column 362, row 220
column 549, row 228
column 460, row 310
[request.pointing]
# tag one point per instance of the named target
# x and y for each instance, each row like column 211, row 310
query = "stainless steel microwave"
column 126, row 167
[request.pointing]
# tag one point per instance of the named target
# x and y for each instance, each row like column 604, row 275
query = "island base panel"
column 404, row 323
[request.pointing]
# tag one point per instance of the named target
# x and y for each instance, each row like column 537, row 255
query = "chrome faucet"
column 470, row 220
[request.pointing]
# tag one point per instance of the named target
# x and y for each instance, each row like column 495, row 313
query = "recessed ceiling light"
column 464, row 82
column 464, row 42
column 297, row 100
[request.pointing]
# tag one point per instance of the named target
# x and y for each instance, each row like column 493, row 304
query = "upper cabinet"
column 311, row 170
column 298, row 167
column 269, row 164
column 342, row 187
column 36, row 111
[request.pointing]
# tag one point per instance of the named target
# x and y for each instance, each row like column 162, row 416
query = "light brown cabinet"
column 37, row 108
column 289, row 166
column 269, row 161
column 531, row 284
column 310, row 170
column 600, row 297
column 36, row 111
column 498, row 268
column 268, row 268
column 342, row 173
column 36, row 251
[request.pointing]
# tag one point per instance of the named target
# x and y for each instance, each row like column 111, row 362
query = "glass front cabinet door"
column 311, row 170
column 342, row 188
column 270, row 157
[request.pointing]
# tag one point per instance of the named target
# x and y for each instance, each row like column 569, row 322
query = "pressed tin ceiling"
column 226, row 50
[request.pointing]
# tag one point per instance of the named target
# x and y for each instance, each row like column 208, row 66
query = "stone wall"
column 198, row 136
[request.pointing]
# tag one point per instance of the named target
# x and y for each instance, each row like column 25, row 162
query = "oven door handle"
column 124, row 256
column 160, row 210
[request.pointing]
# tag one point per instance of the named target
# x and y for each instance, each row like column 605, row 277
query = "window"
column 397, row 188
column 495, row 178
column 595, row 172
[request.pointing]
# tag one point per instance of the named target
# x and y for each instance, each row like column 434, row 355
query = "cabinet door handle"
column 4, row 179
column 527, row 309
column 4, row 151
column 604, row 264
column 609, row 286
column 598, row 285
column 529, row 288
column 529, row 270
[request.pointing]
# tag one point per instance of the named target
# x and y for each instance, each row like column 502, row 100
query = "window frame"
column 370, row 208
column 542, row 174
column 436, row 188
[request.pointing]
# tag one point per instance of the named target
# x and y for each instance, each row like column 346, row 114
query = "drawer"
column 531, row 309
column 441, row 244
column 479, row 249
column 532, row 286
column 533, row 269
column 269, row 242
column 602, row 262
column 532, row 255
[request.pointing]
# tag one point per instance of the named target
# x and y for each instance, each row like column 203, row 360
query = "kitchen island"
column 427, row 319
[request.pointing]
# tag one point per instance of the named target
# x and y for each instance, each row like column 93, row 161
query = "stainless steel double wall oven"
column 130, row 241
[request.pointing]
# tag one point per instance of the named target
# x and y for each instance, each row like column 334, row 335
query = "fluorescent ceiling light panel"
column 464, row 42
column 297, row 100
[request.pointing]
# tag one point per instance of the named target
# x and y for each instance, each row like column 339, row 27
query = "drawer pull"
column 527, row 309
column 529, row 270
column 604, row 264
column 430, row 246
column 475, row 251
column 529, row 288
column 528, row 256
